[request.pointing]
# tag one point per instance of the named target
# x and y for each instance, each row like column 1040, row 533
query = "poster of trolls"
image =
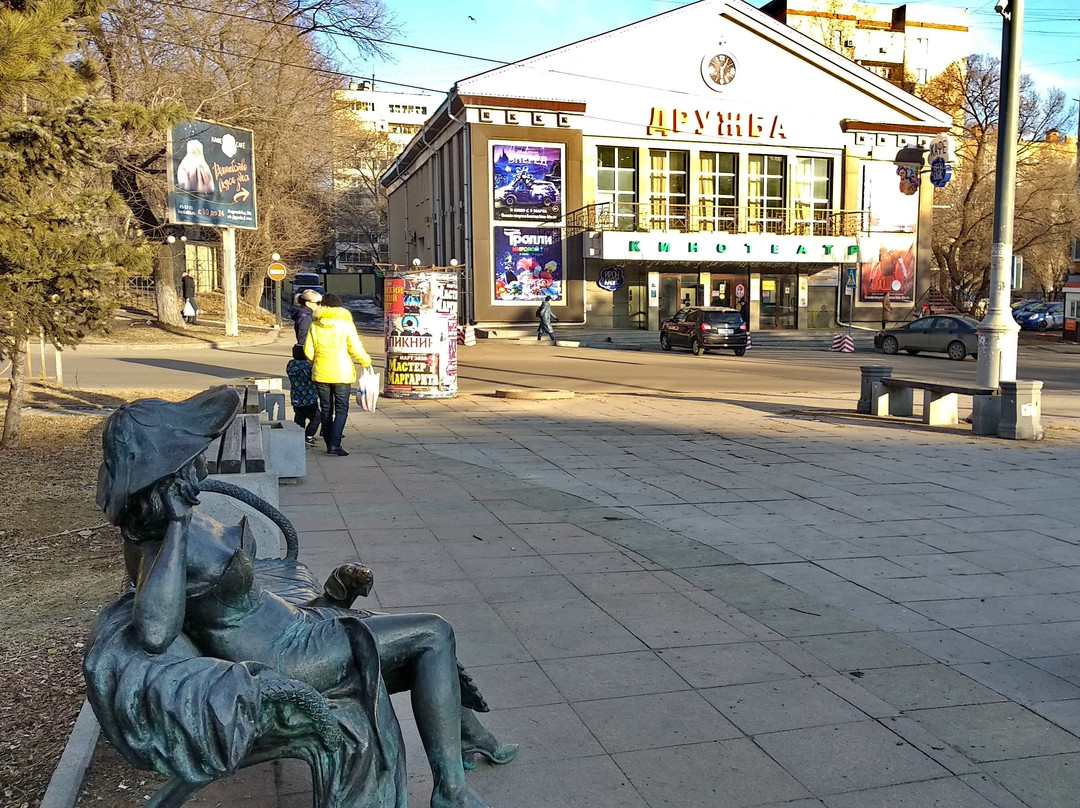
column 528, row 265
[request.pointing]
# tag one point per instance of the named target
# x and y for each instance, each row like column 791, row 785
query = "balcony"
column 645, row 217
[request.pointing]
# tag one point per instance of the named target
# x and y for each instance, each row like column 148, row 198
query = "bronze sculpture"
column 216, row 660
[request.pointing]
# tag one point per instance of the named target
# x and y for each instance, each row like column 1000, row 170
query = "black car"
column 704, row 327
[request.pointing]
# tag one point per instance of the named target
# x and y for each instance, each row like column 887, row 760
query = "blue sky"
column 508, row 30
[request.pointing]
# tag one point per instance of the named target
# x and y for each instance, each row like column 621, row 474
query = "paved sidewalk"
column 686, row 602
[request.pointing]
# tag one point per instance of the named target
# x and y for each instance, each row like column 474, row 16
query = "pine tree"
column 63, row 250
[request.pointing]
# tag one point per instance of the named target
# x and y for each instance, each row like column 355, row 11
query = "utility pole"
column 998, row 331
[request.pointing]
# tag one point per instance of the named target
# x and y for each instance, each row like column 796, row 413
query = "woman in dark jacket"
column 303, row 309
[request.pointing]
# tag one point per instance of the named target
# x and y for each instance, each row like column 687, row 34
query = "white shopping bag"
column 189, row 310
column 367, row 391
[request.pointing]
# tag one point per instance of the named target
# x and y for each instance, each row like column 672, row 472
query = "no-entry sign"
column 276, row 272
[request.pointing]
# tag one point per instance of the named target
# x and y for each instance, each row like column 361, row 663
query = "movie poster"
column 528, row 265
column 893, row 271
column 211, row 176
column 527, row 183
column 421, row 334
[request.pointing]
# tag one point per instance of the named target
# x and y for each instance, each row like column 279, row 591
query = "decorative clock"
column 719, row 70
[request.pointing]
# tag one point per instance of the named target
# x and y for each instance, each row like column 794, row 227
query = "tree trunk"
column 13, row 416
column 169, row 305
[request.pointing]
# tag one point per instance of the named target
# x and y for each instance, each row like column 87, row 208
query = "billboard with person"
column 211, row 176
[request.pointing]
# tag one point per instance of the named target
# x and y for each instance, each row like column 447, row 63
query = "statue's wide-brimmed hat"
column 150, row 439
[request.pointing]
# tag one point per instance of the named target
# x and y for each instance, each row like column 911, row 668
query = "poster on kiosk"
column 421, row 308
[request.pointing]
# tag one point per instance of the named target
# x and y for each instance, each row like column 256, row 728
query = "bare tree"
column 1047, row 211
column 263, row 65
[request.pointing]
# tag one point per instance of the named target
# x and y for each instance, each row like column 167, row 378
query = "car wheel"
column 740, row 351
column 912, row 351
column 509, row 200
column 665, row 341
column 956, row 350
column 1041, row 326
column 697, row 347
column 890, row 346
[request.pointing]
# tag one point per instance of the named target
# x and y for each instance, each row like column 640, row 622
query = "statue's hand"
column 177, row 506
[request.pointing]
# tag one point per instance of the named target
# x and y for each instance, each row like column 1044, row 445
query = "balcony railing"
column 659, row 216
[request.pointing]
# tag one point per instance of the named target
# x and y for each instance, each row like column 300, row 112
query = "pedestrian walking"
column 303, row 395
column 547, row 317
column 333, row 346
column 187, row 291
column 886, row 311
column 304, row 305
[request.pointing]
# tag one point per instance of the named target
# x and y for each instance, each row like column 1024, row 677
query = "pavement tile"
column 667, row 619
column 917, row 687
column 1049, row 781
column 814, row 621
column 601, row 562
column 583, row 782
column 999, row 731
column 861, row 650
column 528, row 588
column 520, row 684
column 561, row 629
column 729, row 664
column 654, row 721
column 732, row 774
column 848, row 757
column 944, row 793
column 603, row 676
column 781, row 705
column 1001, row 611
column 1028, row 640
column 1019, row 681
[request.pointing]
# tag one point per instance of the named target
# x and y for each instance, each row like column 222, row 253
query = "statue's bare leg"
column 417, row 652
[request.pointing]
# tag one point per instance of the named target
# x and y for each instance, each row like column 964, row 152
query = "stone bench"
column 884, row 394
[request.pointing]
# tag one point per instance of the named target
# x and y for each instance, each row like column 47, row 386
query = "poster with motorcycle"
column 527, row 182
column 528, row 265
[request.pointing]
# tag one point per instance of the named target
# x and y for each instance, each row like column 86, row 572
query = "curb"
column 534, row 395
column 67, row 779
column 269, row 338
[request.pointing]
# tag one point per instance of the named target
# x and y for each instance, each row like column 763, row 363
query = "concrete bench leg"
column 940, row 409
column 879, row 400
column 901, row 401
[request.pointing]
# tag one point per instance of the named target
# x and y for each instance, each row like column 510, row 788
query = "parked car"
column 702, row 328
column 1024, row 306
column 303, row 281
column 1043, row 317
column 938, row 333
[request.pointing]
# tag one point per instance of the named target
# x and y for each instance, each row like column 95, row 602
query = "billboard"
column 528, row 265
column 527, row 182
column 890, row 208
column 211, row 176
column 893, row 271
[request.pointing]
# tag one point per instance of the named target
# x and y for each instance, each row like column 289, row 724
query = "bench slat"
column 231, row 447
column 940, row 387
column 254, row 456
column 251, row 399
column 213, row 455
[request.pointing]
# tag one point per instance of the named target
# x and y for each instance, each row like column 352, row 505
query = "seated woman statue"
column 201, row 669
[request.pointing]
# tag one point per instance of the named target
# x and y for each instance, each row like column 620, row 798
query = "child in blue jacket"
column 302, row 394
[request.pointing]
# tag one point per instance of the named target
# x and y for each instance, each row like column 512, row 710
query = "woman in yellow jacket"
column 333, row 346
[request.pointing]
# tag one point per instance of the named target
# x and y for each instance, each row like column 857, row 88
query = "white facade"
column 398, row 115
column 730, row 160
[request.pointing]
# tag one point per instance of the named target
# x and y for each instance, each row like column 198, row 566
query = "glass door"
column 779, row 301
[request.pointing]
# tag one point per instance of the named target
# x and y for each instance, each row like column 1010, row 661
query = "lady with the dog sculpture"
column 195, row 585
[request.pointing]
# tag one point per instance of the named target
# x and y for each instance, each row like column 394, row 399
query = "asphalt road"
column 795, row 370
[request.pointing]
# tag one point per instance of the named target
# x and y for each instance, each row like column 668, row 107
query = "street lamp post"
column 998, row 331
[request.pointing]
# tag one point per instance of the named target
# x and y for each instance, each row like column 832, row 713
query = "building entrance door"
column 678, row 292
column 725, row 290
column 779, row 301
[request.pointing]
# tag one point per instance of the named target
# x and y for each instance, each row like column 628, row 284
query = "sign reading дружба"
column 211, row 175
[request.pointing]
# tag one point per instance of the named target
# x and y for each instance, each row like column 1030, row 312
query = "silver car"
column 947, row 334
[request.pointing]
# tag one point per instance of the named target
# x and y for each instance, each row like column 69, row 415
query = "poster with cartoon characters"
column 527, row 183
column 528, row 265
column 421, row 334
column 211, row 176
column 892, row 271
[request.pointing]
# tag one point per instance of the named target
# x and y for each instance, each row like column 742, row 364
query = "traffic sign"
column 276, row 271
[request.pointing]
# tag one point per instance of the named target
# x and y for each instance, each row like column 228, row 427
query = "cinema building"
column 709, row 155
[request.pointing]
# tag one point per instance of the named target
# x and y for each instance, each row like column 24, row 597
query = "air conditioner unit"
column 849, row 43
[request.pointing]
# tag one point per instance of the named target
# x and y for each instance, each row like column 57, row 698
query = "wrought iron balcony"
column 658, row 216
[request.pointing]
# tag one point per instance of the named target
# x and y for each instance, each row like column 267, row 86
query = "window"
column 718, row 195
column 363, row 106
column 616, row 182
column 766, row 196
column 407, row 109
column 404, row 128
column 812, row 190
column 668, row 179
